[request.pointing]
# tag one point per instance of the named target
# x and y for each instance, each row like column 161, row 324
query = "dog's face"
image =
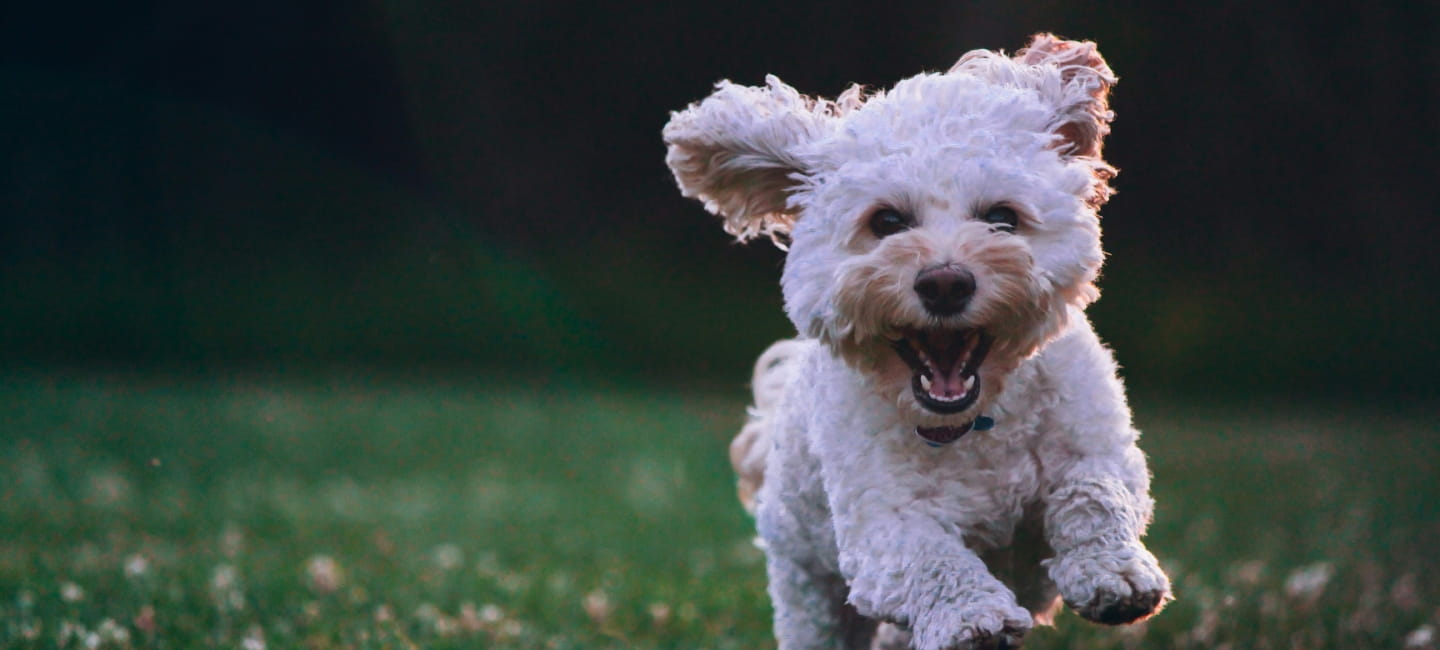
column 940, row 233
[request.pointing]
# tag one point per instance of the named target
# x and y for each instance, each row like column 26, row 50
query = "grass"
column 363, row 512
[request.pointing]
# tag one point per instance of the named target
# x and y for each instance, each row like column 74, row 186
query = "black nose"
column 945, row 290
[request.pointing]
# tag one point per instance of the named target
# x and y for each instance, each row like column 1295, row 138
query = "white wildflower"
column 112, row 632
column 659, row 613
column 68, row 630
column 1421, row 638
column 509, row 629
column 254, row 639
column 597, row 606
column 428, row 612
column 224, row 577
column 1307, row 583
column 136, row 566
column 470, row 617
column 225, row 588
column 448, row 557
column 324, row 574
column 71, row 592
column 108, row 487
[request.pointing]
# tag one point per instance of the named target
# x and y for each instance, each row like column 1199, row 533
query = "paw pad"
column 1112, row 609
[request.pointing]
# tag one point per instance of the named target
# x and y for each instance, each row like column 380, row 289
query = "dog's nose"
column 945, row 289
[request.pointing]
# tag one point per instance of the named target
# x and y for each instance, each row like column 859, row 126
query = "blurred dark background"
column 479, row 186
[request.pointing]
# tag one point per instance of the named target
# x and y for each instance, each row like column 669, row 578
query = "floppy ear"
column 737, row 152
column 1084, row 115
column 1070, row 76
column 1074, row 80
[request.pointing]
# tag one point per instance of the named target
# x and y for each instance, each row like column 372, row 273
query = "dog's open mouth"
column 945, row 362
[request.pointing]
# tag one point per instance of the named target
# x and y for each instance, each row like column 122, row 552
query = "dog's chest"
column 870, row 465
column 980, row 485
column 983, row 488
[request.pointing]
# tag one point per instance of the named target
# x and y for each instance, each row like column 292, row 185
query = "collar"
column 941, row 436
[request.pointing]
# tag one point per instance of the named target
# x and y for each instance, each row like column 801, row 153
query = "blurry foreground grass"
column 356, row 512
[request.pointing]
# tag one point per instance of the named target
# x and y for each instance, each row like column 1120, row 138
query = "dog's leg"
column 1097, row 501
column 922, row 576
column 904, row 556
column 1019, row 566
column 810, row 609
column 1102, row 569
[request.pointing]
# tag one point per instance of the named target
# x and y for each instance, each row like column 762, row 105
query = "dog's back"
column 752, row 445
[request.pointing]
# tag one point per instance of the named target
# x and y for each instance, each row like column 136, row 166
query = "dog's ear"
column 1074, row 80
column 1084, row 115
column 737, row 152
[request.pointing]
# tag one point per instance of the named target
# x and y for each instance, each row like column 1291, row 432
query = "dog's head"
column 939, row 233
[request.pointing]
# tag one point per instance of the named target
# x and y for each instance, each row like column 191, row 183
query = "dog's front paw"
column 976, row 638
column 977, row 626
column 1111, row 584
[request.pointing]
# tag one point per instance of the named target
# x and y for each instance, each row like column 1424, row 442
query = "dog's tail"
column 752, row 446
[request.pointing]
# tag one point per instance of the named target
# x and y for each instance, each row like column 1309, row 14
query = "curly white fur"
column 965, row 545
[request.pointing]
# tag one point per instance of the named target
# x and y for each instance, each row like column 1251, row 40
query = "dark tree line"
column 189, row 180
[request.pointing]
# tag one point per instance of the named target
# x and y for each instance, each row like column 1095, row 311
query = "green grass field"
column 356, row 511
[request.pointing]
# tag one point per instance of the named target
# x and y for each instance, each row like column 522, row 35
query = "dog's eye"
column 885, row 222
column 1002, row 218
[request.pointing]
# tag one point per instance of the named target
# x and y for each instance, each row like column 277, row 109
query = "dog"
column 945, row 452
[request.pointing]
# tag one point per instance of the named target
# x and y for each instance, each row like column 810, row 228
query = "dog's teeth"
column 969, row 383
column 925, row 382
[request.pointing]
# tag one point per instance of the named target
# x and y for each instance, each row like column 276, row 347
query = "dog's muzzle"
column 945, row 363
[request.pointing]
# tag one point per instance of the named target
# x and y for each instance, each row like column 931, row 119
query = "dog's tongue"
column 948, row 382
column 945, row 349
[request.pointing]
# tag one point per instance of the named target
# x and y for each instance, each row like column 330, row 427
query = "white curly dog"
column 947, row 447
